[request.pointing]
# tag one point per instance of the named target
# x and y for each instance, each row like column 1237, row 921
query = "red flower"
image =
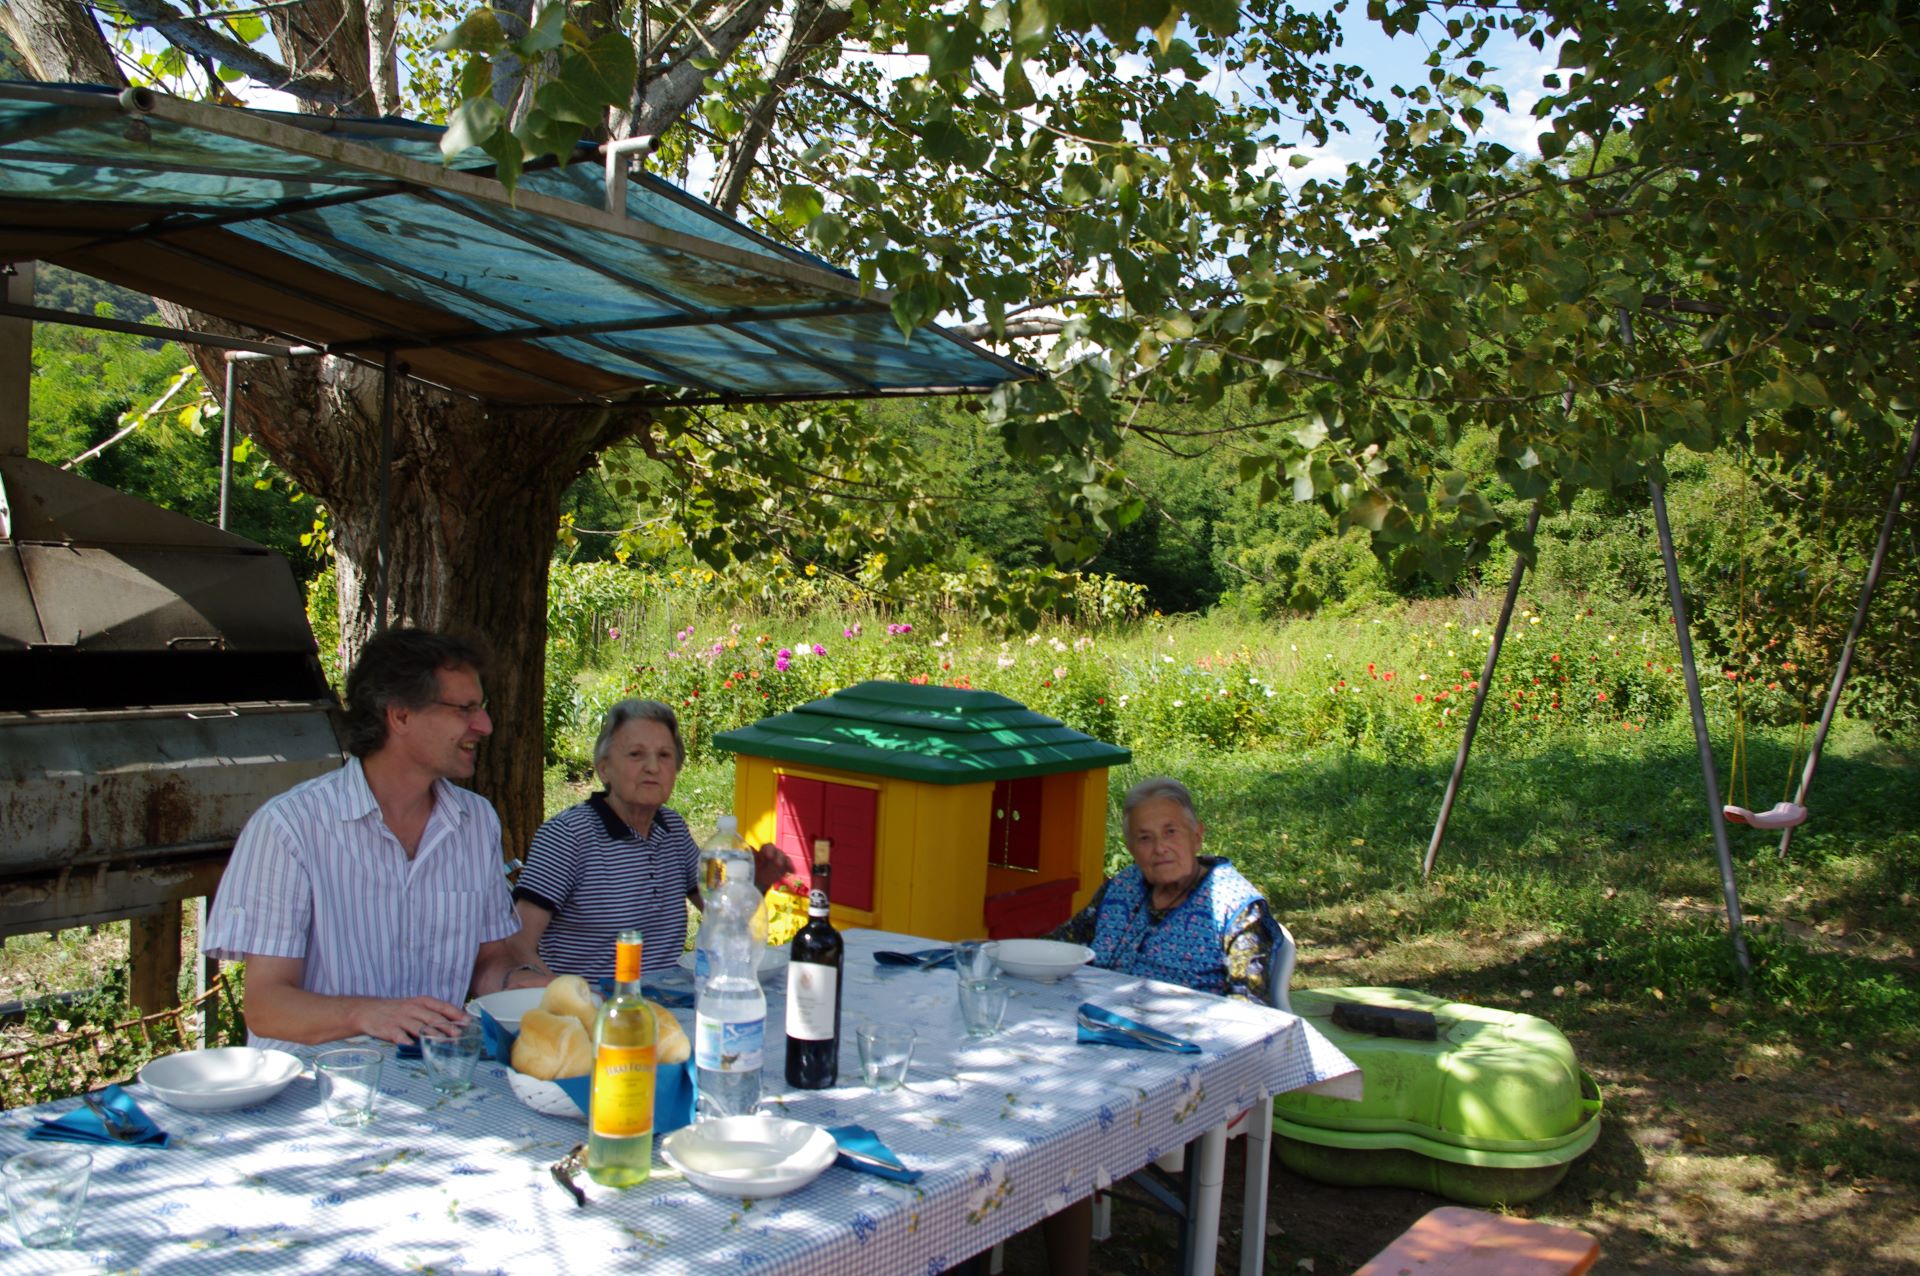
column 1369, row 666
column 1388, row 675
column 1439, row 695
column 1100, row 699
column 1555, row 657
column 1419, row 699
column 1600, row 695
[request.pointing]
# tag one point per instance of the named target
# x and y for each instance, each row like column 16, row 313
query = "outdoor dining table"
column 1006, row 1129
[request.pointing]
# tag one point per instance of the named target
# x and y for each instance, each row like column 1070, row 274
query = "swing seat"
column 1781, row 815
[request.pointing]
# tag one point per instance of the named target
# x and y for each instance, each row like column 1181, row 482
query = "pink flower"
column 784, row 654
column 818, row 650
column 613, row 632
column 782, row 663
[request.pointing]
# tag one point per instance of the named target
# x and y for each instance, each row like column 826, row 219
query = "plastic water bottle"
column 723, row 841
column 730, row 1021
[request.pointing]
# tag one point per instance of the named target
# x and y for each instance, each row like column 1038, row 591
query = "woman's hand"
column 770, row 867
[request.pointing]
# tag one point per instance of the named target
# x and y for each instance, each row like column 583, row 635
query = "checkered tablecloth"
column 1007, row 1130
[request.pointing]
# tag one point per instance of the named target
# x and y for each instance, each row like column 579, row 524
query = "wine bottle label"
column 810, row 996
column 622, row 1105
column 722, row 1046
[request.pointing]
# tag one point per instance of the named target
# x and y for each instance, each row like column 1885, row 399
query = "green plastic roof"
column 352, row 236
column 936, row 735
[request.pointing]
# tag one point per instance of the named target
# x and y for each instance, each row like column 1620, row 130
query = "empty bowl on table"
column 749, row 1155
column 544, row 1097
column 1043, row 959
column 509, row 1006
column 219, row 1080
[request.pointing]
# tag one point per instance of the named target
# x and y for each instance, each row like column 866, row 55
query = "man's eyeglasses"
column 471, row 709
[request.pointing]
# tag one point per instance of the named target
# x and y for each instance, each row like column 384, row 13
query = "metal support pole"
column 16, row 358
column 1479, row 698
column 1716, row 816
column 383, row 564
column 226, row 445
column 1859, row 624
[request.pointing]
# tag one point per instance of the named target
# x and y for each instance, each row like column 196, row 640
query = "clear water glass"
column 450, row 1057
column 46, row 1190
column 983, row 1004
column 349, row 1084
column 885, row 1051
column 973, row 959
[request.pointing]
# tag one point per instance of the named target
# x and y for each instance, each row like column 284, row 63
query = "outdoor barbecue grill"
column 158, row 682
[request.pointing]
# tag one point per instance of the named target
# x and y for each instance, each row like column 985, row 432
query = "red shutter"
column 797, row 809
column 807, row 809
column 850, row 822
column 1023, row 824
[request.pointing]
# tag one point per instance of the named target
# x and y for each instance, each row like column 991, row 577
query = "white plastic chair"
column 1256, row 1123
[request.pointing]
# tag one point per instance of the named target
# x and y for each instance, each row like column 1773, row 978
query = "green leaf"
column 547, row 33
column 478, row 32
column 590, row 80
column 799, row 205
column 475, row 122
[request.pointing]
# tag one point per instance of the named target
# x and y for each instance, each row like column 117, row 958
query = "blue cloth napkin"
column 673, row 1095
column 499, row 1039
column 82, row 1126
column 409, row 1049
column 1120, row 1031
column 925, row 959
column 859, row 1139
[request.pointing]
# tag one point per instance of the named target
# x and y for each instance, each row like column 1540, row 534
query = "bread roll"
column 671, row 1040
column 569, row 995
column 551, row 1046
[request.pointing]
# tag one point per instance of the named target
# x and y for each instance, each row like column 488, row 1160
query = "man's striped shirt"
column 599, row 877
column 317, row 874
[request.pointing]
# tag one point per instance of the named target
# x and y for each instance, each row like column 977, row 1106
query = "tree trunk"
column 475, row 500
column 474, row 493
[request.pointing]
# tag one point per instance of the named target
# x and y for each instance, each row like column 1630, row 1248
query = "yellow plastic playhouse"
column 952, row 813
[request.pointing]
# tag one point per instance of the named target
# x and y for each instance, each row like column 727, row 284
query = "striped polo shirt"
column 317, row 874
column 598, row 877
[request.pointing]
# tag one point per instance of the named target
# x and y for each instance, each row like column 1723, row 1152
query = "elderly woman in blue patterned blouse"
column 1177, row 915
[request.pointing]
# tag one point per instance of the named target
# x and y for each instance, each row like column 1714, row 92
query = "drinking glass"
column 885, row 1051
column 450, row 1057
column 349, row 1083
column 45, row 1190
column 973, row 959
column 983, row 1004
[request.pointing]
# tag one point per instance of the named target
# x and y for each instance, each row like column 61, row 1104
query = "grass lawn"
column 1776, row 1129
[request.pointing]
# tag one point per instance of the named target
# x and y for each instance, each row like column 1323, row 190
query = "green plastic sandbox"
column 1491, row 1113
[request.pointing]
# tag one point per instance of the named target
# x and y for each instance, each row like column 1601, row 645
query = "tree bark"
column 60, row 41
column 475, row 500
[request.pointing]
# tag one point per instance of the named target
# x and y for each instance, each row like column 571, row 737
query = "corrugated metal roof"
column 936, row 735
column 354, row 237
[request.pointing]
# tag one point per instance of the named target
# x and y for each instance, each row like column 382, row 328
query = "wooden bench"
column 1455, row 1241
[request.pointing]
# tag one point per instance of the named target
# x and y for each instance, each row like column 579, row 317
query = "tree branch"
column 813, row 26
column 663, row 98
column 194, row 36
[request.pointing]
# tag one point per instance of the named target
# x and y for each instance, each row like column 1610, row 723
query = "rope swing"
column 1783, row 814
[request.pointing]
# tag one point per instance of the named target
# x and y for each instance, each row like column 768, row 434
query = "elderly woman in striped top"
column 620, row 860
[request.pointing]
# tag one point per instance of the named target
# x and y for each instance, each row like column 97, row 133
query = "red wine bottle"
column 813, row 989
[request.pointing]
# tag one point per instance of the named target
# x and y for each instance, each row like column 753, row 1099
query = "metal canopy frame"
column 540, row 298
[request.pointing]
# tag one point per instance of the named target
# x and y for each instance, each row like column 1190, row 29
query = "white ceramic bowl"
column 544, row 1097
column 507, row 1007
column 772, row 960
column 749, row 1155
column 1043, row 959
column 219, row 1080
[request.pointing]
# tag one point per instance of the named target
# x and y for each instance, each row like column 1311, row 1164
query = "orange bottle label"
column 626, row 963
column 623, row 1091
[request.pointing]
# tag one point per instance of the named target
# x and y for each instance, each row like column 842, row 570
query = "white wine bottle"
column 620, row 1116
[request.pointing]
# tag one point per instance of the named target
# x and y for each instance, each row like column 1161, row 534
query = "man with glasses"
column 371, row 901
